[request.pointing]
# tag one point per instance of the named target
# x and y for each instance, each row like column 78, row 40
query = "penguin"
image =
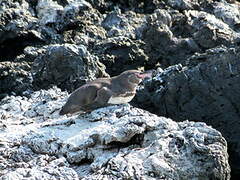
column 104, row 92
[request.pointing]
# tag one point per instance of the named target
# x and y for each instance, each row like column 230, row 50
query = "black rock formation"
column 206, row 90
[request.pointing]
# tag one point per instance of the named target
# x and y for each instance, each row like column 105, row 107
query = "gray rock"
column 229, row 13
column 26, row 23
column 127, row 24
column 121, row 53
column 141, row 7
column 17, row 28
column 68, row 66
column 116, row 142
column 15, row 78
column 205, row 90
column 42, row 167
column 183, row 4
column 62, row 18
column 162, row 46
column 209, row 31
column 172, row 39
column 20, row 18
column 47, row 11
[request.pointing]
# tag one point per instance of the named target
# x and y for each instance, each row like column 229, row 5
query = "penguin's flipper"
column 103, row 95
column 101, row 99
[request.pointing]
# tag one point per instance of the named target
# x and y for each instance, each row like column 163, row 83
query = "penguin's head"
column 135, row 76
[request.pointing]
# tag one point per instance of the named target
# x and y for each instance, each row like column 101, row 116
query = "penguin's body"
column 104, row 92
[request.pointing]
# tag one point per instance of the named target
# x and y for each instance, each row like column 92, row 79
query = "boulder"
column 161, row 45
column 121, row 53
column 206, row 90
column 67, row 66
column 115, row 142
column 209, row 31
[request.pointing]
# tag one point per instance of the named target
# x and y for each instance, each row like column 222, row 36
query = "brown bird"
column 104, row 92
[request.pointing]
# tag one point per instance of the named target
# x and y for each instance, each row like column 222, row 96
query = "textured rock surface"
column 17, row 28
column 113, row 142
column 14, row 78
column 120, row 54
column 206, row 90
column 124, row 34
column 68, row 66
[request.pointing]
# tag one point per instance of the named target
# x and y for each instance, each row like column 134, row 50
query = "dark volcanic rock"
column 17, row 28
column 128, row 24
column 183, row 4
column 171, row 37
column 139, row 6
column 229, row 13
column 207, row 90
column 162, row 46
column 14, row 78
column 68, row 66
column 119, row 54
column 209, row 31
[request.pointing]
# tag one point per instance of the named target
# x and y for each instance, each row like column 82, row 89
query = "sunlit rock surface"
column 109, row 143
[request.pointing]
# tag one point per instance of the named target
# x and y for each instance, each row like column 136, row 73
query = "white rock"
column 115, row 142
column 47, row 11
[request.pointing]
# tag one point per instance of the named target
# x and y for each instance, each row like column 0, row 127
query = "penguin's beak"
column 146, row 74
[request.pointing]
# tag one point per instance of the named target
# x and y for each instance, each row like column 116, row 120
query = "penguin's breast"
column 122, row 98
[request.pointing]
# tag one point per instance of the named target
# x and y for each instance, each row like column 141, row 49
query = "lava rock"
column 206, row 90
column 183, row 4
column 138, row 6
column 128, row 24
column 120, row 53
column 17, row 28
column 115, row 142
column 15, row 78
column 229, row 13
column 68, row 66
column 209, row 31
column 161, row 45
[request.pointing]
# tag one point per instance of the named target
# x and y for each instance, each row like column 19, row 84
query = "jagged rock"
column 124, row 34
column 25, row 23
column 67, row 16
column 15, row 19
column 47, row 11
column 120, row 54
column 15, row 78
column 206, row 90
column 128, row 24
column 30, row 53
column 209, row 31
column 68, row 66
column 17, row 28
column 115, row 142
column 162, row 46
column 229, row 13
column 171, row 40
column 134, row 5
